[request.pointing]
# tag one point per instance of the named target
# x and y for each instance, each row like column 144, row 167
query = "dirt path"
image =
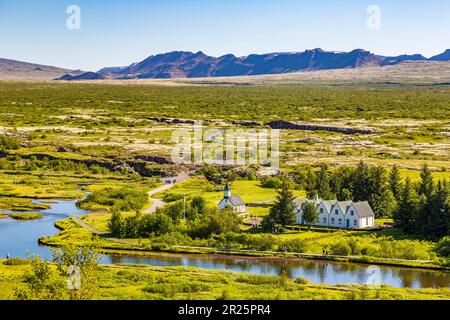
column 168, row 183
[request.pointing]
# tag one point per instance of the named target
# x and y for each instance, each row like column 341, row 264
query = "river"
column 20, row 238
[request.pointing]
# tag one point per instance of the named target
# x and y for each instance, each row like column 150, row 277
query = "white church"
column 233, row 201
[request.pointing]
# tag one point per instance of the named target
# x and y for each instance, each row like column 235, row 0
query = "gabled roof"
column 328, row 204
column 236, row 201
column 363, row 209
column 344, row 205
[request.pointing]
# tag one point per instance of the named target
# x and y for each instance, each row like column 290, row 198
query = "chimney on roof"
column 316, row 198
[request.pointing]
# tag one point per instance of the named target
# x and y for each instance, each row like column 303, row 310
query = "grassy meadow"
column 167, row 283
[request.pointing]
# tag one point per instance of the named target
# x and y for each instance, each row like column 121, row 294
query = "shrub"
column 9, row 143
column 296, row 245
column 301, row 280
column 341, row 249
column 172, row 197
column 173, row 239
column 124, row 199
column 271, row 182
column 443, row 247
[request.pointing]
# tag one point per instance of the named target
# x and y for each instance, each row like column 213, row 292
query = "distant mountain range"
column 17, row 70
column 182, row 64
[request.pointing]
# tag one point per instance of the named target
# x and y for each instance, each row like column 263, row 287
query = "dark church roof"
column 236, row 201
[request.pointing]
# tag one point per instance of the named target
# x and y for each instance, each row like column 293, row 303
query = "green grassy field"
column 249, row 191
column 166, row 283
column 102, row 120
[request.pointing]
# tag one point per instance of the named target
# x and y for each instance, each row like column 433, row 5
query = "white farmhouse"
column 233, row 201
column 339, row 214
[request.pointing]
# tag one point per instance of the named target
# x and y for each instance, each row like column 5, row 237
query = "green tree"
column 310, row 213
column 395, row 182
column 341, row 183
column 198, row 204
column 406, row 213
column 360, row 181
column 282, row 212
column 426, row 186
column 380, row 196
column 116, row 224
column 310, row 184
column 344, row 195
column 433, row 219
column 323, row 183
column 158, row 223
column 225, row 220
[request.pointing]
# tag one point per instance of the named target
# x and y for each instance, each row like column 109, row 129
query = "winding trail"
column 169, row 183
column 156, row 203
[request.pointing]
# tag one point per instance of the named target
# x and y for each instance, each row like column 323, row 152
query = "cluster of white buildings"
column 332, row 213
column 339, row 214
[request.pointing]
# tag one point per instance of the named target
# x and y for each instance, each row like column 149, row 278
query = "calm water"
column 19, row 238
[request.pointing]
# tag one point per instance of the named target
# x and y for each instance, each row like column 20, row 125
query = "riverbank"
column 136, row 282
column 73, row 232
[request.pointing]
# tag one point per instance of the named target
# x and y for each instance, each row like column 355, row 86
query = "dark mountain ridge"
column 184, row 64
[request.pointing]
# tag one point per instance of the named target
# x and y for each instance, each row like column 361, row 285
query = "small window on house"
column 332, row 220
column 355, row 222
column 340, row 221
column 352, row 213
column 324, row 220
column 321, row 210
column 336, row 211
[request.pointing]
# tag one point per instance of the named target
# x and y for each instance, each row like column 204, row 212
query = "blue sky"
column 116, row 33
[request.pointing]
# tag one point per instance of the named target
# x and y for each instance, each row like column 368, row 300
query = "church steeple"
column 227, row 191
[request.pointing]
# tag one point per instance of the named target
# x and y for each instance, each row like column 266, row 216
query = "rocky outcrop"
column 247, row 123
column 142, row 167
column 154, row 159
column 171, row 120
column 288, row 125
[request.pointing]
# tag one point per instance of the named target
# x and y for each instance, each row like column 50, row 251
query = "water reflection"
column 323, row 272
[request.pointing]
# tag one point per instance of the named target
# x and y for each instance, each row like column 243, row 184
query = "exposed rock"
column 288, row 125
column 247, row 123
column 155, row 159
column 63, row 149
column 171, row 120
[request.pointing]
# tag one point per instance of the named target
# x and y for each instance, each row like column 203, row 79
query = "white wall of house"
column 324, row 217
column 337, row 217
column 354, row 220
